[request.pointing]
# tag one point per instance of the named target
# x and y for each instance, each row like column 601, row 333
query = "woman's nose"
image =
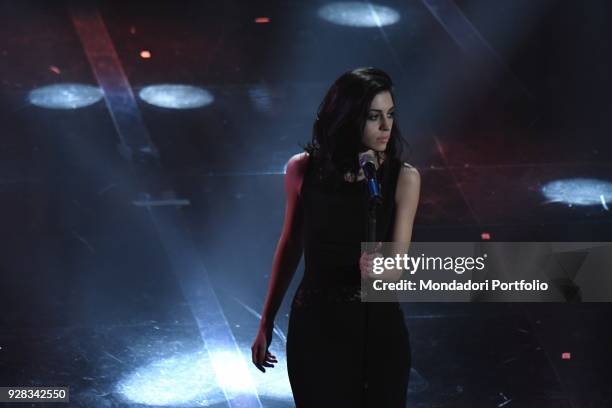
column 385, row 123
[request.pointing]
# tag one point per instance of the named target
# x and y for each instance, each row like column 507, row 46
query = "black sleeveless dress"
column 342, row 352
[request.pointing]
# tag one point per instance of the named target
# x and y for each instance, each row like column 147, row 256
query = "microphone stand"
column 373, row 204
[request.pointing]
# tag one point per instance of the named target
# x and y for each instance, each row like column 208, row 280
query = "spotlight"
column 359, row 14
column 65, row 96
column 189, row 379
column 174, row 381
column 579, row 191
column 176, row 96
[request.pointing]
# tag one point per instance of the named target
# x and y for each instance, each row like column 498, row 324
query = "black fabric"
column 342, row 352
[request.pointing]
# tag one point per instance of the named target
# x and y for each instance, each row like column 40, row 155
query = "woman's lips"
column 382, row 139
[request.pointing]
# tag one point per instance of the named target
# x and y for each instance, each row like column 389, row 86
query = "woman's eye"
column 390, row 115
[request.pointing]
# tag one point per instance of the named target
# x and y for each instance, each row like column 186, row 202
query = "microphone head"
column 367, row 162
column 366, row 159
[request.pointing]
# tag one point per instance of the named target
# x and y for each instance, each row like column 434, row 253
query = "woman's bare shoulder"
column 297, row 164
column 408, row 173
column 408, row 182
column 294, row 172
column 298, row 159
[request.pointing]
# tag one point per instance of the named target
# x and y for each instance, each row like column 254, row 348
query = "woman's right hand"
column 259, row 350
column 366, row 262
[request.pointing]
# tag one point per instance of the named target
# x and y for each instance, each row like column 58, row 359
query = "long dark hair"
column 338, row 129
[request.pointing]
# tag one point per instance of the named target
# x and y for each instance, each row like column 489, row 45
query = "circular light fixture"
column 579, row 191
column 65, row 96
column 174, row 96
column 359, row 14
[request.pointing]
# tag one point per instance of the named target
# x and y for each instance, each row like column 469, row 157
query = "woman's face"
column 379, row 122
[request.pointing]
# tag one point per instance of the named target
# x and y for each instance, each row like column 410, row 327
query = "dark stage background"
column 139, row 235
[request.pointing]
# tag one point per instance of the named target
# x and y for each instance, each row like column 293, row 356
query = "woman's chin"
column 377, row 148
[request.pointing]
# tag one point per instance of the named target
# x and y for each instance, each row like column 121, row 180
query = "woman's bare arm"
column 290, row 245
column 406, row 203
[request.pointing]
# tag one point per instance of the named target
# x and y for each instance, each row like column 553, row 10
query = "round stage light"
column 65, row 96
column 359, row 14
column 579, row 191
column 184, row 379
column 190, row 379
column 174, row 96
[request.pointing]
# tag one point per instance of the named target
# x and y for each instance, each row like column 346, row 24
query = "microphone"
column 367, row 164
